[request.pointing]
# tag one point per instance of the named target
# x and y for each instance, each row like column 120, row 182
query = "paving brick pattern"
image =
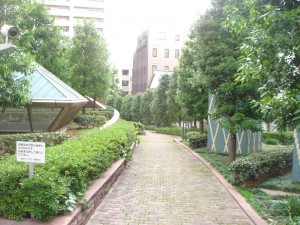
column 165, row 184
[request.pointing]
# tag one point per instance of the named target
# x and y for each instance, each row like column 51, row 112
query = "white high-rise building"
column 69, row 13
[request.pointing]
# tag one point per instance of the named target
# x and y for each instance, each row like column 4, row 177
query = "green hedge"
column 87, row 120
column 197, row 141
column 68, row 171
column 284, row 138
column 8, row 141
column 177, row 131
column 258, row 165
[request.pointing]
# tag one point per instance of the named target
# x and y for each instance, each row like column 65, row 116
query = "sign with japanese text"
column 30, row 152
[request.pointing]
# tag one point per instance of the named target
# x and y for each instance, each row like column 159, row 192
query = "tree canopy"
column 90, row 70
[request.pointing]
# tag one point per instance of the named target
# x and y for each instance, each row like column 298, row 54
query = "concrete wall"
column 218, row 139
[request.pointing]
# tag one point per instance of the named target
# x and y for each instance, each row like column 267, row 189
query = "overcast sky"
column 126, row 19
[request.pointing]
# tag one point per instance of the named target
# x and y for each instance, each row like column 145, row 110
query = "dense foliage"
column 283, row 138
column 258, row 165
column 90, row 70
column 68, row 171
column 8, row 141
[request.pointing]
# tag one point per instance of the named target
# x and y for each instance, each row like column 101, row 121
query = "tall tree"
column 147, row 99
column 136, row 107
column 160, row 105
column 174, row 108
column 217, row 65
column 90, row 70
column 193, row 93
column 126, row 108
column 270, row 53
column 13, row 92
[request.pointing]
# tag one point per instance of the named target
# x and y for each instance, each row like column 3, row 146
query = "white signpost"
column 32, row 152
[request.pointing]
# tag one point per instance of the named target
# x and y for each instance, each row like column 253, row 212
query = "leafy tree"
column 136, row 107
column 126, row 108
column 147, row 99
column 39, row 40
column 160, row 106
column 90, row 71
column 270, row 53
column 216, row 66
column 13, row 92
column 118, row 103
column 192, row 92
column 174, row 108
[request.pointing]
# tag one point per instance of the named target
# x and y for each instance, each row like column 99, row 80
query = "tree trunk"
column 179, row 120
column 201, row 127
column 195, row 123
column 94, row 105
column 83, row 110
column 232, row 147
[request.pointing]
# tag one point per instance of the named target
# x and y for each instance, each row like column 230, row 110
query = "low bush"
column 89, row 120
column 198, row 141
column 8, row 141
column 191, row 133
column 257, row 165
column 271, row 141
column 284, row 138
column 68, row 171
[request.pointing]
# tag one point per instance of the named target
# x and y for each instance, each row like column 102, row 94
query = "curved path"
column 165, row 184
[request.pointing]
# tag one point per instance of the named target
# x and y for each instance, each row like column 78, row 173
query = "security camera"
column 10, row 31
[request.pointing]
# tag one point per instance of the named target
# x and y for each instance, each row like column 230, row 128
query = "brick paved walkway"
column 165, row 184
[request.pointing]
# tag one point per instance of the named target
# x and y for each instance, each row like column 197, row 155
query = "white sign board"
column 30, row 152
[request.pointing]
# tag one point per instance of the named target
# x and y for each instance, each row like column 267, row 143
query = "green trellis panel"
column 219, row 139
column 296, row 157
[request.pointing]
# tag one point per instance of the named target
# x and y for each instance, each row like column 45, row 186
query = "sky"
column 126, row 19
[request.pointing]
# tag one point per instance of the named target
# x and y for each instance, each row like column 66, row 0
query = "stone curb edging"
column 246, row 207
column 94, row 196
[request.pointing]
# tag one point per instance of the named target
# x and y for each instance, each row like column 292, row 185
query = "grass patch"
column 274, row 209
column 277, row 210
column 283, row 183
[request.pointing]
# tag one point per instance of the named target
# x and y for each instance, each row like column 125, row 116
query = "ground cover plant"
column 274, row 209
column 283, row 182
column 68, row 171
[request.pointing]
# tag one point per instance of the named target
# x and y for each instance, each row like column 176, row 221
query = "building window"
column 176, row 53
column 154, row 52
column 166, row 68
column 166, row 53
column 177, row 37
column 125, row 72
column 161, row 36
column 154, row 67
column 125, row 83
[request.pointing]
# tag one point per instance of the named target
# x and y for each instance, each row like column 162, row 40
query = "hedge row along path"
column 166, row 184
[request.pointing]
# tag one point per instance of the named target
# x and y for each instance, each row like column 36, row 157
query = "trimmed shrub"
column 271, row 141
column 257, row 165
column 87, row 120
column 68, row 171
column 284, row 138
column 198, row 141
column 8, row 141
column 191, row 133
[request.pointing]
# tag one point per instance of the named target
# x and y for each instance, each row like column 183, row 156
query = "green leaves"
column 69, row 169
